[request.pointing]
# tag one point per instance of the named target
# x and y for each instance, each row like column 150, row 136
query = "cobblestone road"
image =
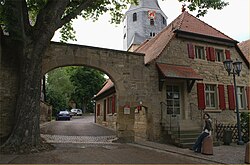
column 77, row 139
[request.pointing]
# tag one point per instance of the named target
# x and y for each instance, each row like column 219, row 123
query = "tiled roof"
column 109, row 84
column 245, row 48
column 191, row 24
column 178, row 71
column 184, row 23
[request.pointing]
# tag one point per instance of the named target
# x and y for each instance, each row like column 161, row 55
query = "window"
column 124, row 36
column 98, row 109
column 163, row 21
column 199, row 52
column 241, row 97
column 110, row 105
column 152, row 34
column 152, row 22
column 173, row 99
column 210, row 94
column 134, row 17
column 219, row 55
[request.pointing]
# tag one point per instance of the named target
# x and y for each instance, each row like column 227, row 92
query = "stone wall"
column 140, row 125
column 45, row 112
column 212, row 72
column 111, row 119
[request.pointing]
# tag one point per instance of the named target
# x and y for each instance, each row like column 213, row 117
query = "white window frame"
column 174, row 99
column 200, row 52
column 219, row 55
column 241, row 95
column 208, row 96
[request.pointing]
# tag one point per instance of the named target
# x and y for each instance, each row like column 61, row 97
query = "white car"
column 79, row 112
column 76, row 112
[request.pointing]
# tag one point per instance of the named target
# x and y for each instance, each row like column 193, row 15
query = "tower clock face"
column 151, row 14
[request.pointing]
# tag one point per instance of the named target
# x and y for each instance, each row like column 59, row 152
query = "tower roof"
column 148, row 4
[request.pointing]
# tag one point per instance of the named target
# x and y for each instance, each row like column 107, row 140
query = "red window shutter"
column 212, row 54
column 222, row 103
column 113, row 104
column 201, row 96
column 228, row 56
column 98, row 110
column 208, row 53
column 248, row 96
column 190, row 51
column 231, row 99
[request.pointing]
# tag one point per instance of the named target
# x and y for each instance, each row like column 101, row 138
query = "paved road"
column 99, row 154
column 82, row 141
column 77, row 126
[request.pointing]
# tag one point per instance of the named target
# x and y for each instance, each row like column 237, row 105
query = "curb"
column 180, row 153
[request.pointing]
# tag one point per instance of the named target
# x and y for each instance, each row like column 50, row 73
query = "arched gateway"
column 126, row 69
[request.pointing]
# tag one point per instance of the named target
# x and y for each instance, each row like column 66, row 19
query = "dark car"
column 63, row 115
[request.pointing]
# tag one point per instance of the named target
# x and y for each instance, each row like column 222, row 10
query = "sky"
column 233, row 20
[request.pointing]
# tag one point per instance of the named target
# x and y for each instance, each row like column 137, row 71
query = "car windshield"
column 63, row 112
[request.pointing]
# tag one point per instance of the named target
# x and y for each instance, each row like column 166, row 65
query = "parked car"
column 73, row 112
column 76, row 112
column 79, row 112
column 63, row 115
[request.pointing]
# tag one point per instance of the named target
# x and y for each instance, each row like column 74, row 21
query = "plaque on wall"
column 126, row 110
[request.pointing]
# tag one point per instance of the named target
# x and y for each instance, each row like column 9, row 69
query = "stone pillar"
column 125, row 123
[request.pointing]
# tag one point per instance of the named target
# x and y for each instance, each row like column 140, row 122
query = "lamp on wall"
column 235, row 68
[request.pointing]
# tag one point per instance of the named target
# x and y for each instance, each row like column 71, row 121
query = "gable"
column 183, row 24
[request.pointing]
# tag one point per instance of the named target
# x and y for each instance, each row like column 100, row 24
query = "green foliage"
column 67, row 32
column 244, row 119
column 79, row 84
column 59, row 88
column 203, row 5
column 87, row 83
column 11, row 13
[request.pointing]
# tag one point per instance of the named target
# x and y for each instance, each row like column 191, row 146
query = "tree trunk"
column 25, row 136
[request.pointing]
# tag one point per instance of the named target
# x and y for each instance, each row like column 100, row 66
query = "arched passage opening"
column 69, row 91
column 126, row 69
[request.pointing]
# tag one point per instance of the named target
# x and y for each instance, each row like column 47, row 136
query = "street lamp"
column 235, row 69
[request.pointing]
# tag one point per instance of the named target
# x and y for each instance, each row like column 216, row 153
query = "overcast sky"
column 233, row 20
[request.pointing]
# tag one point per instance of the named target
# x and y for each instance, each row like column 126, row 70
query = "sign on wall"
column 126, row 110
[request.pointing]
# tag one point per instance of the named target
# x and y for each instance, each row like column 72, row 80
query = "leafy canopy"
column 87, row 83
column 32, row 15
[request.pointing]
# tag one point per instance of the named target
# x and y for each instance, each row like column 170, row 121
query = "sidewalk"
column 223, row 154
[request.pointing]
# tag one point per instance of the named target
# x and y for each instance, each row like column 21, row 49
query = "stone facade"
column 45, row 112
column 213, row 74
column 136, row 84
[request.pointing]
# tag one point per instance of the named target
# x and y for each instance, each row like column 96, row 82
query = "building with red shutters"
column 187, row 78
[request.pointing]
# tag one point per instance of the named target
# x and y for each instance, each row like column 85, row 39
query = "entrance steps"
column 184, row 135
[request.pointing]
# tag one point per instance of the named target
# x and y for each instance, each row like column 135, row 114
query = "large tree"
column 59, row 88
column 87, row 83
column 32, row 24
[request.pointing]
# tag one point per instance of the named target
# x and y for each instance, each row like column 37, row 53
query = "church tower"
column 142, row 22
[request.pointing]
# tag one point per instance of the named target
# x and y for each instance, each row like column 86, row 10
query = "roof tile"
column 184, row 22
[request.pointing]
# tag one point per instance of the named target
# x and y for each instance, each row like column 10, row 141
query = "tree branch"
column 75, row 12
column 26, row 22
column 50, row 15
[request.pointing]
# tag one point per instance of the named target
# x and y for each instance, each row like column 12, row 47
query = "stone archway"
column 126, row 69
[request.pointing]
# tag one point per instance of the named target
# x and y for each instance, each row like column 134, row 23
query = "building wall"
column 140, row 125
column 45, row 112
column 111, row 117
column 212, row 72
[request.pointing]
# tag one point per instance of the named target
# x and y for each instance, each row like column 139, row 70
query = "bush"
column 244, row 118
